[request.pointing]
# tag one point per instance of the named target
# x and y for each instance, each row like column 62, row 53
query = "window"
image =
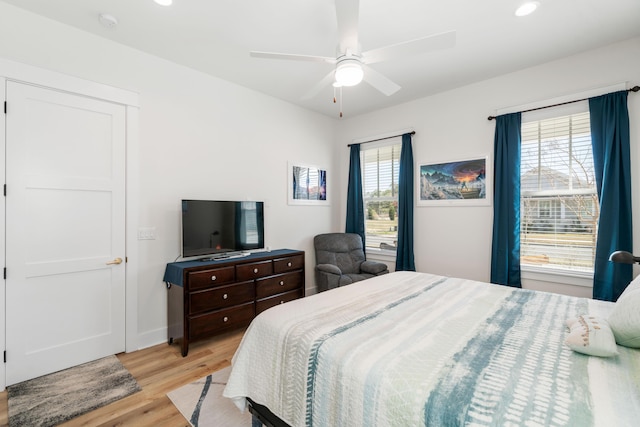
column 380, row 167
column 559, row 204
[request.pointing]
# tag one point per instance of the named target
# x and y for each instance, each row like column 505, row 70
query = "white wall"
column 456, row 241
column 199, row 137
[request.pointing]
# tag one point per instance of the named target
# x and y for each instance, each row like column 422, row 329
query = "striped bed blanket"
column 410, row 349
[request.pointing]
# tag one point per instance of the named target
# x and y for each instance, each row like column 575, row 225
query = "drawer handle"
column 213, row 278
column 288, row 264
column 281, row 282
column 281, row 302
column 225, row 296
column 255, row 270
column 226, row 319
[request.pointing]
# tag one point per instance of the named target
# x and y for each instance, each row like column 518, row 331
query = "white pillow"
column 591, row 335
column 625, row 317
column 632, row 286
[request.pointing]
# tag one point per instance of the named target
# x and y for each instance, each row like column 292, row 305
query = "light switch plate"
column 147, row 233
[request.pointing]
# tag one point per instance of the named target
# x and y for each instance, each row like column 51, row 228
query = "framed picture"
column 307, row 185
column 460, row 182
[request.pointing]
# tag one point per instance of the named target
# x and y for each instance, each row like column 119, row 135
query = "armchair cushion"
column 329, row 268
column 374, row 267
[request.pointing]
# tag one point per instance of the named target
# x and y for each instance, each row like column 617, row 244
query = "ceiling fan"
column 352, row 64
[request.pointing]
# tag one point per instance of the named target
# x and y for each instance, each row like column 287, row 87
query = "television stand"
column 210, row 298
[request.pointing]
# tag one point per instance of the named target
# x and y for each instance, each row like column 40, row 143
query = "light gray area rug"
column 203, row 405
column 58, row 397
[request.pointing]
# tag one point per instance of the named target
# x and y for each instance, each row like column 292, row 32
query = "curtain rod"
column 633, row 89
column 382, row 139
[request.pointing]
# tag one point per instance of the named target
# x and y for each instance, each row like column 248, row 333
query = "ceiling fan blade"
column 347, row 12
column 292, row 56
column 380, row 82
column 412, row 47
column 326, row 81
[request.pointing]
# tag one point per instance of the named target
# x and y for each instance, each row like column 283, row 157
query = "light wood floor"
column 158, row 370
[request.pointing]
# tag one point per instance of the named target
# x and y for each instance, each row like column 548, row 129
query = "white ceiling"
column 215, row 36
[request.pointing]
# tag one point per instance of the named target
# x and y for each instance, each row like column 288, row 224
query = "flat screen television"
column 214, row 227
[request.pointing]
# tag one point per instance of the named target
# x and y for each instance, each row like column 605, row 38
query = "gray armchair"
column 340, row 260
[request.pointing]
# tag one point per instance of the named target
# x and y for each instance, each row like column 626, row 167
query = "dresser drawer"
column 278, row 284
column 283, row 265
column 221, row 297
column 254, row 270
column 220, row 321
column 215, row 276
column 263, row 304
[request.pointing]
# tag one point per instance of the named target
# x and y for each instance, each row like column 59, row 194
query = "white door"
column 65, row 230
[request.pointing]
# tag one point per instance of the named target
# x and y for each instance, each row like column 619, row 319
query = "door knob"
column 115, row 261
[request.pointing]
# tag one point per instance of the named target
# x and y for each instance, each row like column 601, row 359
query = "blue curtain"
column 404, row 252
column 610, row 140
column 355, row 202
column 505, row 251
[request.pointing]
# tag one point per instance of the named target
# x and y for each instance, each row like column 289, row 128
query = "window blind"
column 559, row 204
column 380, row 169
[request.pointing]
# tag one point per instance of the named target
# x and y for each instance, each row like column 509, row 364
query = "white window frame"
column 377, row 253
column 554, row 274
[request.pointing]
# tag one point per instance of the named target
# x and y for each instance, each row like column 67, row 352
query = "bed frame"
column 261, row 415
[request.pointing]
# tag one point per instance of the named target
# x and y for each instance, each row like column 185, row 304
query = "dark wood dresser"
column 207, row 298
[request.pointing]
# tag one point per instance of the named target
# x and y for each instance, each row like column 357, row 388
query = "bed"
column 408, row 349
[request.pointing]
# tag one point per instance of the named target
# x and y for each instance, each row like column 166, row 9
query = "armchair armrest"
column 373, row 267
column 329, row 268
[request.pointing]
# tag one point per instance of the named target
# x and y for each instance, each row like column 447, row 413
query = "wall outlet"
column 147, row 233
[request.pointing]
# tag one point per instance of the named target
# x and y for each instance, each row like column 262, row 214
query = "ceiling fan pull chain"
column 334, row 94
column 340, row 101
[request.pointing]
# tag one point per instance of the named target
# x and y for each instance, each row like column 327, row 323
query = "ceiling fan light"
column 349, row 73
column 164, row 2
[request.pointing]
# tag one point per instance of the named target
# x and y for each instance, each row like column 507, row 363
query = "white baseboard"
column 151, row 338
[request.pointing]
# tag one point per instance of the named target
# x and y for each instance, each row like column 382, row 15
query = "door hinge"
column 5, row 107
column 5, row 272
column 5, row 356
column 5, row 189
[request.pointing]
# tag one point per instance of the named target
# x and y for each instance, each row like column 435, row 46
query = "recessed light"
column 107, row 20
column 527, row 8
column 164, row 2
